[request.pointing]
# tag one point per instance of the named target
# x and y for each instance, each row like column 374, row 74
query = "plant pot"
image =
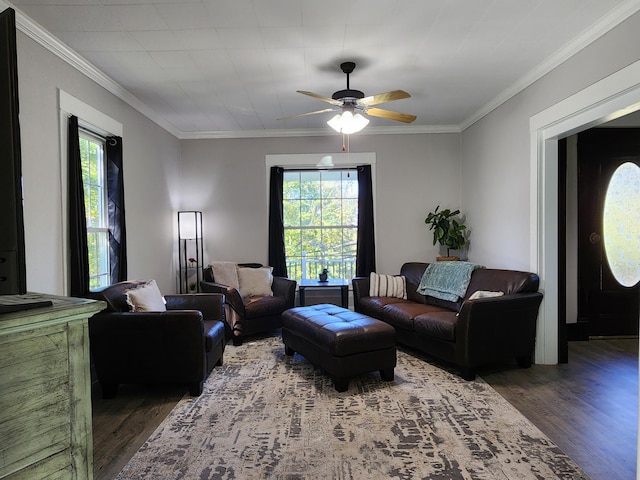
column 448, row 259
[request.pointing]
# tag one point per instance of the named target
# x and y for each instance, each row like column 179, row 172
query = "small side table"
column 340, row 283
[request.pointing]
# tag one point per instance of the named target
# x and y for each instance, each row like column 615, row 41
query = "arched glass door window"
column 621, row 224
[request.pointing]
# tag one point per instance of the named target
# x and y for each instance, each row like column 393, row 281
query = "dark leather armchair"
column 181, row 345
column 247, row 316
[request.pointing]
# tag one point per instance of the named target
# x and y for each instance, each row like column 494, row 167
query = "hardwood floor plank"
column 588, row 407
column 122, row 424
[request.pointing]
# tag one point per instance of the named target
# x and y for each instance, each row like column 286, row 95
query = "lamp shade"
column 189, row 225
column 347, row 122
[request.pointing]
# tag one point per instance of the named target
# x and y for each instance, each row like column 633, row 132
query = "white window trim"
column 325, row 160
column 95, row 120
column 608, row 99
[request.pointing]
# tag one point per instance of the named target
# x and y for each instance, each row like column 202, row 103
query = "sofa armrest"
column 492, row 328
column 210, row 304
column 126, row 344
column 360, row 290
column 231, row 295
column 117, row 324
column 285, row 288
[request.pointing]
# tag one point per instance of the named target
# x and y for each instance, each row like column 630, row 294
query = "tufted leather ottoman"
column 341, row 342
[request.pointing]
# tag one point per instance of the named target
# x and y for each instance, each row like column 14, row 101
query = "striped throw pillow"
column 387, row 286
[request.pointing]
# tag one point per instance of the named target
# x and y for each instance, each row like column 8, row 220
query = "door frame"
column 610, row 98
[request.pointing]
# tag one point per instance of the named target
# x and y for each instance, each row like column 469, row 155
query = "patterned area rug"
column 264, row 415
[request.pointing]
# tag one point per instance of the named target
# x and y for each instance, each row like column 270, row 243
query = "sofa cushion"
column 255, row 282
column 114, row 295
column 447, row 280
column 146, row 298
column 507, row 281
column 387, row 285
column 412, row 272
column 446, row 304
column 438, row 323
column 225, row 273
column 401, row 314
column 256, row 307
column 485, row 294
column 372, row 306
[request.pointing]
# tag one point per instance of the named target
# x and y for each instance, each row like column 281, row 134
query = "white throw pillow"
column 146, row 298
column 387, row 286
column 255, row 282
column 226, row 273
column 485, row 294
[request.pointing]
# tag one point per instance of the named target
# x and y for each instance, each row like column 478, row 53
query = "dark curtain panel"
column 115, row 198
column 366, row 249
column 78, row 251
column 277, row 257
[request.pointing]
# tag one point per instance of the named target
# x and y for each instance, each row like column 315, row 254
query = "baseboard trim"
column 578, row 331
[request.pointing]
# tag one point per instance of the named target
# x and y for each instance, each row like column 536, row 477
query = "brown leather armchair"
column 181, row 345
column 247, row 316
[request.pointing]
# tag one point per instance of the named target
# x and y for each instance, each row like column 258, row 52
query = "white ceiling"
column 232, row 67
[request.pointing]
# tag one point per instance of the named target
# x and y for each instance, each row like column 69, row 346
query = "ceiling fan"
column 352, row 104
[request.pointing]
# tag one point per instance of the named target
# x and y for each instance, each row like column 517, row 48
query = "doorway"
column 608, row 99
column 609, row 308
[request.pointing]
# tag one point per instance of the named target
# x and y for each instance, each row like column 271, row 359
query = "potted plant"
column 447, row 231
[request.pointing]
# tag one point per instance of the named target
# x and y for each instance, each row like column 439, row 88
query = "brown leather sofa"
column 248, row 316
column 181, row 345
column 467, row 333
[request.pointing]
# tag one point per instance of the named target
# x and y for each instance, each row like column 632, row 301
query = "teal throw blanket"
column 447, row 280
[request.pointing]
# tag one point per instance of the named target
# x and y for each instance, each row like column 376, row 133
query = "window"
column 92, row 153
column 621, row 224
column 320, row 222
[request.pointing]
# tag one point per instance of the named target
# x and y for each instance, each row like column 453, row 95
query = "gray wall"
column 151, row 167
column 485, row 171
column 227, row 180
column 496, row 173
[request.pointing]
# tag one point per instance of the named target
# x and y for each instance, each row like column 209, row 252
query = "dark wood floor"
column 121, row 425
column 588, row 407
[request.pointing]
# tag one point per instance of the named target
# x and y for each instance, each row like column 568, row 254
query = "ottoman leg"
column 341, row 384
column 387, row 374
column 289, row 351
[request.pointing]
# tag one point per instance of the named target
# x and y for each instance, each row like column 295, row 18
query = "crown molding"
column 317, row 132
column 591, row 34
column 41, row 36
column 37, row 33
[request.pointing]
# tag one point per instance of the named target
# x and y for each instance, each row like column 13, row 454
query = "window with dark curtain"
column 366, row 249
column 115, row 203
column 277, row 257
column 79, row 270
column 79, row 255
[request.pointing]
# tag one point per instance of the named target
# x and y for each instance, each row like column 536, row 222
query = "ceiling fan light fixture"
column 348, row 123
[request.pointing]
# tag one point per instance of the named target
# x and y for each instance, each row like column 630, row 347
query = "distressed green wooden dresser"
column 45, row 389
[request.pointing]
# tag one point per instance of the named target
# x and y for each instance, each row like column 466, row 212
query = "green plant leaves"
column 447, row 231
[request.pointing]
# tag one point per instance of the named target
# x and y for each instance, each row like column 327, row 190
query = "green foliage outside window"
column 320, row 222
column 93, row 178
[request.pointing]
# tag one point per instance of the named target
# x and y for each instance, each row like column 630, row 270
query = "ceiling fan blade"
column 308, row 113
column 384, row 97
column 320, row 97
column 400, row 117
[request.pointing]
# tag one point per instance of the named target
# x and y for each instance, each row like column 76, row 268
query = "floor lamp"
column 191, row 250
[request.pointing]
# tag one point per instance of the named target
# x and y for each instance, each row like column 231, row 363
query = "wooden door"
column 610, row 308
